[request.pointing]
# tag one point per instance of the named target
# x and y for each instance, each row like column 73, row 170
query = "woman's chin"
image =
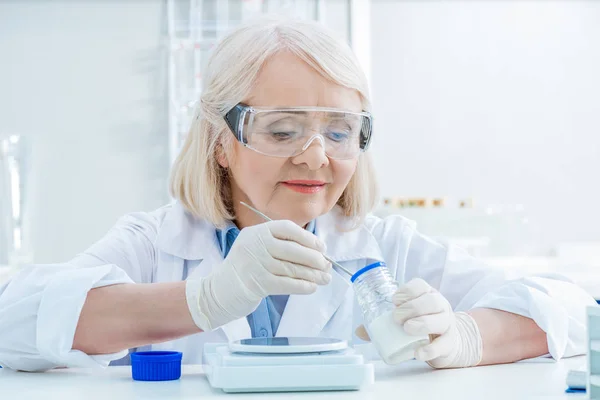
column 301, row 214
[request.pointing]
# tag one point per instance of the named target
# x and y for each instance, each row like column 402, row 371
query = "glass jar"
column 374, row 287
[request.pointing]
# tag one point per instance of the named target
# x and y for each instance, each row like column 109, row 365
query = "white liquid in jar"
column 393, row 344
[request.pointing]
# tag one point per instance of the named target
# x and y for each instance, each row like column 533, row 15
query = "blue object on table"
column 572, row 390
column 156, row 365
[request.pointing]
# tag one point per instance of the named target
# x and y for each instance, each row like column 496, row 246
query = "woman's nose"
column 314, row 155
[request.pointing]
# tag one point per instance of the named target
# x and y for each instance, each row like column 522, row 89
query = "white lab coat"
column 40, row 306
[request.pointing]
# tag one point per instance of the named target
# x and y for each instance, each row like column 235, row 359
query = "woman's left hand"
column 455, row 340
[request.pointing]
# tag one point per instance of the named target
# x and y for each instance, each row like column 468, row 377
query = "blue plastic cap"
column 156, row 365
column 365, row 269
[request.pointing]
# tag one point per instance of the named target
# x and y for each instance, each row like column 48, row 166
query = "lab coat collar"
column 185, row 236
column 190, row 238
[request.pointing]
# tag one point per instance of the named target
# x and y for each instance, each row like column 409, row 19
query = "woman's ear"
column 222, row 157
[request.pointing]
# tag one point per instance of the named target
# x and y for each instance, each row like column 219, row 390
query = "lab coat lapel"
column 307, row 315
column 237, row 330
column 183, row 237
column 187, row 237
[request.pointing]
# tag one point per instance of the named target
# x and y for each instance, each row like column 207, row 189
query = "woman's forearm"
column 120, row 317
column 508, row 337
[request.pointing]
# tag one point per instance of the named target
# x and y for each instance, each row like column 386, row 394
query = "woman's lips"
column 305, row 186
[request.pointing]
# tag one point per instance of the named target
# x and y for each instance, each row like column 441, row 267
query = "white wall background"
column 87, row 81
column 493, row 99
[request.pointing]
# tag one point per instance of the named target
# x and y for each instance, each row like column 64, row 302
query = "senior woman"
column 283, row 124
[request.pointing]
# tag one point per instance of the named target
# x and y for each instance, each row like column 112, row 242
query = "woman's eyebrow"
column 280, row 115
column 277, row 117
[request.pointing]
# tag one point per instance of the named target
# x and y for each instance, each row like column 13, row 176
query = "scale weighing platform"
column 285, row 365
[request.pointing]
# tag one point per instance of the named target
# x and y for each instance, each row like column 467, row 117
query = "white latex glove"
column 422, row 310
column 276, row 257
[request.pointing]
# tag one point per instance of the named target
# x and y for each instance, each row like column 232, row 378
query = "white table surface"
column 411, row 380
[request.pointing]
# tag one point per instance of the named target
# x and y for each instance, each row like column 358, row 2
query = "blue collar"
column 222, row 233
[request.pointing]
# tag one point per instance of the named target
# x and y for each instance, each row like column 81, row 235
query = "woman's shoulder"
column 371, row 225
column 145, row 221
column 397, row 230
column 389, row 224
column 372, row 235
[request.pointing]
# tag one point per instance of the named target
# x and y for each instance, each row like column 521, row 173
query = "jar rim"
column 365, row 269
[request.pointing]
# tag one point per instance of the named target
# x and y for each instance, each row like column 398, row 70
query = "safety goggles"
column 287, row 132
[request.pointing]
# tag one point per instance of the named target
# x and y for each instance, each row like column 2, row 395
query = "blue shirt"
column 264, row 321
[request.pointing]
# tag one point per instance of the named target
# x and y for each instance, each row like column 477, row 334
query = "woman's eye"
column 337, row 136
column 282, row 135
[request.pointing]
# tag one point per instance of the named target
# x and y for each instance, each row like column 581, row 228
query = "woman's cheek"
column 343, row 171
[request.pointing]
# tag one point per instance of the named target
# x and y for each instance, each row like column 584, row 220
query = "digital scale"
column 285, row 365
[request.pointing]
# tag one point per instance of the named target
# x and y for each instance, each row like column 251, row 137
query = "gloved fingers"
column 362, row 333
column 426, row 304
column 435, row 324
column 287, row 285
column 298, row 254
column 296, row 271
column 413, row 289
column 439, row 347
column 287, row 230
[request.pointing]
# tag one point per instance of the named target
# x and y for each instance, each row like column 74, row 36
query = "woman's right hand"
column 277, row 257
